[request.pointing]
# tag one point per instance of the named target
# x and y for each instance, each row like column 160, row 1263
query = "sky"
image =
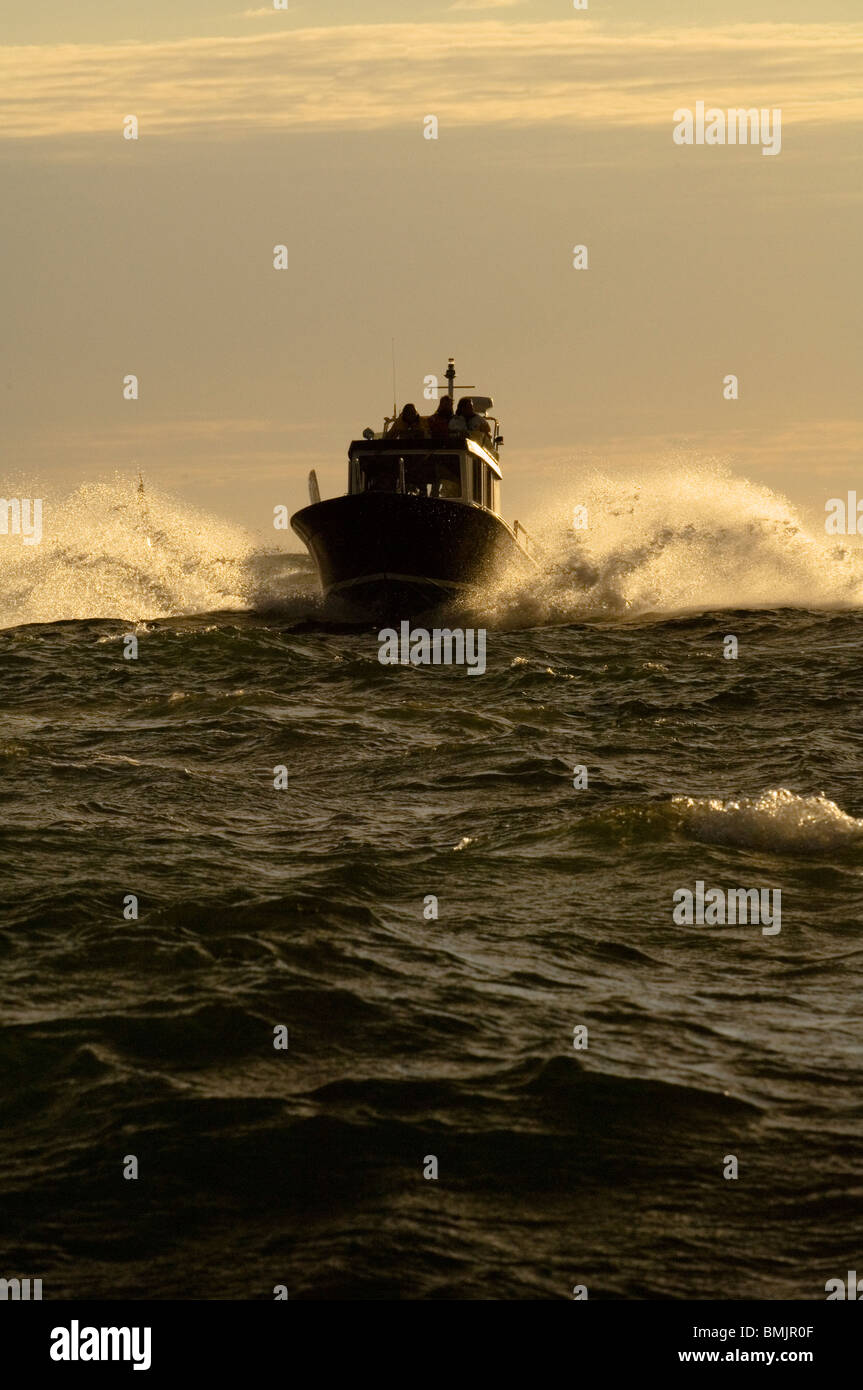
column 304, row 127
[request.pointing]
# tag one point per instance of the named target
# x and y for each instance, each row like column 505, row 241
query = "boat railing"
column 526, row 541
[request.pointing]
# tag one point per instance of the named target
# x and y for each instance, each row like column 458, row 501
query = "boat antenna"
column 395, row 397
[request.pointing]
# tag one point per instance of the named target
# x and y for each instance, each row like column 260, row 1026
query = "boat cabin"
column 457, row 468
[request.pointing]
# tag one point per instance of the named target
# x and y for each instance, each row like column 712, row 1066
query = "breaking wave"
column 109, row 551
column 777, row 820
column 688, row 538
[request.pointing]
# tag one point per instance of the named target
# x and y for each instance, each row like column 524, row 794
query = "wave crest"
column 689, row 537
column 108, row 552
column 777, row 820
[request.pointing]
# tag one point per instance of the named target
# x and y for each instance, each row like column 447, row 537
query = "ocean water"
column 412, row 1036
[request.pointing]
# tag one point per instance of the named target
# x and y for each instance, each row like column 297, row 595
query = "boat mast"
column 450, row 376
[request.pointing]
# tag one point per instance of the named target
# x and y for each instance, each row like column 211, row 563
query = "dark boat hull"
column 389, row 555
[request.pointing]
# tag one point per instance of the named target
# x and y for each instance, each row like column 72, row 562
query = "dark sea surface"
column 412, row 1036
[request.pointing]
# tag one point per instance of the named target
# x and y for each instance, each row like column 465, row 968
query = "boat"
column 420, row 525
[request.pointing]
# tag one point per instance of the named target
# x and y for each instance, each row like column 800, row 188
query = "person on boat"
column 438, row 423
column 467, row 421
column 464, row 413
column 478, row 425
column 409, row 422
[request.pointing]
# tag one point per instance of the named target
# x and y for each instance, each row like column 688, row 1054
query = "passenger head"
column 410, row 415
column 445, row 407
column 465, row 407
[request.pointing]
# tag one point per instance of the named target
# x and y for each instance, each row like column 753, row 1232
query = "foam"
column 686, row 537
column 777, row 820
column 104, row 554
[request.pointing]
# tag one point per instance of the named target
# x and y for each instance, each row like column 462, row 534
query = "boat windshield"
column 417, row 475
